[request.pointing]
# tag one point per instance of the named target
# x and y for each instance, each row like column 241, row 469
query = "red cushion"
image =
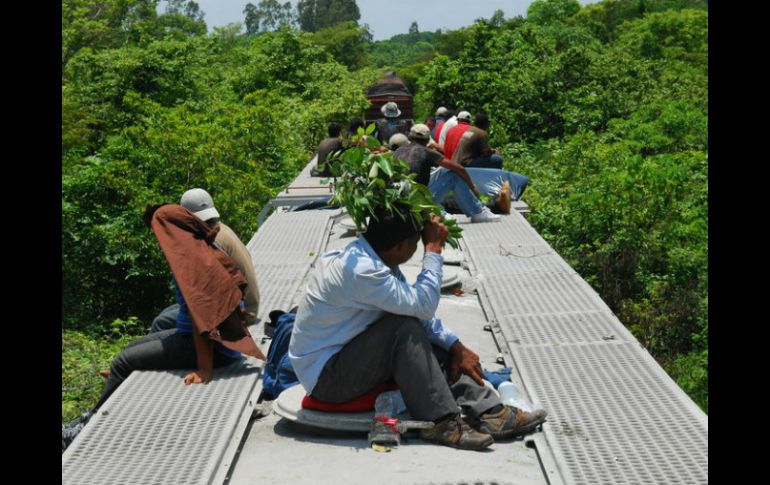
column 365, row 402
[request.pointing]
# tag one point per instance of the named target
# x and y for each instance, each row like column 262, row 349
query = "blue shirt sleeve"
column 390, row 292
column 438, row 334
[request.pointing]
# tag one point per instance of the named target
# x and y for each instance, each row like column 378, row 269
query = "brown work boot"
column 509, row 422
column 504, row 198
column 456, row 433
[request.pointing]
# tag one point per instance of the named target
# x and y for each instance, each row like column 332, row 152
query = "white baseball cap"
column 199, row 202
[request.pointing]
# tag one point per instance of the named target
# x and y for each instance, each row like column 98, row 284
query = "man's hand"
column 198, row 377
column 466, row 361
column 435, row 146
column 434, row 235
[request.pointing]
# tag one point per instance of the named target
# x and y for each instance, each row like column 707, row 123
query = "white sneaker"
column 485, row 216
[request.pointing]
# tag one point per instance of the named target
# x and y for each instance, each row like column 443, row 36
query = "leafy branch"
column 366, row 181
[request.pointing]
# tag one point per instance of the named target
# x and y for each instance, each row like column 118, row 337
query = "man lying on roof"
column 500, row 185
column 451, row 177
column 360, row 324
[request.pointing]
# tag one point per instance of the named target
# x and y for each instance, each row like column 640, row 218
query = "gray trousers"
column 166, row 319
column 396, row 349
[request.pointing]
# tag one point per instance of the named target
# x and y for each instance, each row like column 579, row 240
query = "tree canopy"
column 268, row 16
column 314, row 15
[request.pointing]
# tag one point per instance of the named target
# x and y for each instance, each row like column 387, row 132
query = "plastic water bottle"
column 511, row 395
column 390, row 404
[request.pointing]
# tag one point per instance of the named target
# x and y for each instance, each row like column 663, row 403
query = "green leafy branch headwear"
column 366, row 182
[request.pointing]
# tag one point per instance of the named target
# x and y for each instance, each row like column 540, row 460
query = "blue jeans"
column 443, row 181
column 489, row 181
column 491, row 161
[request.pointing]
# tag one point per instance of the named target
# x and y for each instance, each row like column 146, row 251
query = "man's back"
column 420, row 159
column 325, row 148
column 387, row 127
column 450, row 123
column 232, row 245
column 453, row 138
column 473, row 143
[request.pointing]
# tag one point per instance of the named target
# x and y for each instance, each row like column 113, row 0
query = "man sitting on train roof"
column 451, row 177
column 328, row 146
column 472, row 149
column 454, row 134
column 397, row 140
column 199, row 202
column 390, row 124
column 360, row 325
column 441, row 116
column 443, row 129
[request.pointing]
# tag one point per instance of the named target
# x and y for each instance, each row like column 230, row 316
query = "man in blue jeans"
column 450, row 177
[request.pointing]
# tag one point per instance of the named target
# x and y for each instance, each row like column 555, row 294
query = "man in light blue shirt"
column 360, row 324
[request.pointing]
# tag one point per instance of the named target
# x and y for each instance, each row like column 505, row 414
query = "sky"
column 387, row 18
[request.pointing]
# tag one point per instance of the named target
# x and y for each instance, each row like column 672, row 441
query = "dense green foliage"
column 83, row 356
column 143, row 122
column 604, row 107
column 346, row 42
column 608, row 115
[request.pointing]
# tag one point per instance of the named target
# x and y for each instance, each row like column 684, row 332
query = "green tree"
column 611, row 125
column 414, row 32
column 268, row 16
column 498, row 18
column 251, row 18
column 403, row 50
column 193, row 11
column 101, row 24
column 182, row 18
column 548, row 11
column 188, row 8
column 346, row 42
column 314, row 15
column 141, row 124
column 603, row 18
